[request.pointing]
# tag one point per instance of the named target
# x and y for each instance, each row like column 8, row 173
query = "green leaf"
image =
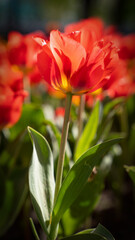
column 86, row 231
column 99, row 233
column 88, row 133
column 87, row 199
column 77, row 177
column 84, row 204
column 131, row 172
column 14, row 196
column 41, row 179
column 85, row 236
column 54, row 129
column 101, row 230
column 109, row 106
column 105, row 125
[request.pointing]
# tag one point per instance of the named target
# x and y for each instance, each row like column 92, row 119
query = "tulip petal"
column 48, row 69
column 44, row 63
column 61, row 45
column 91, row 31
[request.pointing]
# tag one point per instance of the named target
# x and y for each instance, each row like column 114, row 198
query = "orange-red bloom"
column 68, row 67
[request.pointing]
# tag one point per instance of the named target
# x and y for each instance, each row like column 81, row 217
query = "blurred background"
column 30, row 15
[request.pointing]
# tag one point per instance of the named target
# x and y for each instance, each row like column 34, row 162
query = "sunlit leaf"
column 88, row 133
column 41, row 179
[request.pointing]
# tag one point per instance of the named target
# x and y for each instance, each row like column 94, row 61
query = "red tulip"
column 66, row 65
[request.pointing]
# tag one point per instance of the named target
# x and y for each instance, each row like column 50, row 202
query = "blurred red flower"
column 11, row 91
column 10, row 106
column 122, row 81
column 22, row 51
column 59, row 112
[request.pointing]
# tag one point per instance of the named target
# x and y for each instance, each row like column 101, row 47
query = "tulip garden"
column 67, row 133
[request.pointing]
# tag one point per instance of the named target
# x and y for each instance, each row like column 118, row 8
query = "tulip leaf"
column 99, row 233
column 109, row 106
column 85, row 236
column 84, row 203
column 86, row 231
column 77, row 178
column 41, row 179
column 54, row 129
column 131, row 172
column 101, row 230
column 88, row 133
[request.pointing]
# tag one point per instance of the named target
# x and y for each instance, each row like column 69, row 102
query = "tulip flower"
column 66, row 65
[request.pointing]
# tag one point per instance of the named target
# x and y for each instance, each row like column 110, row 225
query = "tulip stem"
column 80, row 116
column 63, row 145
column 26, row 85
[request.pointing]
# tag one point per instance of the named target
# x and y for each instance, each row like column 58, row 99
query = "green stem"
column 26, row 85
column 63, row 145
column 54, row 225
column 34, row 229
